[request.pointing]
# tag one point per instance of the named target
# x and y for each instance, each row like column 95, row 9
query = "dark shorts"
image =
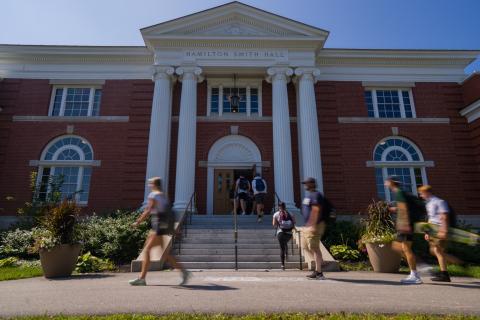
column 242, row 196
column 260, row 198
column 404, row 237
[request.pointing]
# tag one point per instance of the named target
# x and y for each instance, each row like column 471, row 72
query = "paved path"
column 237, row 292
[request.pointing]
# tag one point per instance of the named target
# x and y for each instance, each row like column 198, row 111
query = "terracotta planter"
column 60, row 261
column 383, row 258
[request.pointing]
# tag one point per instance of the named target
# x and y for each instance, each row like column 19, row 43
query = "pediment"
column 233, row 20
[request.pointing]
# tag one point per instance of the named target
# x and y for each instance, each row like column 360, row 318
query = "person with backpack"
column 441, row 214
column 242, row 188
column 284, row 222
column 406, row 214
column 162, row 223
column 315, row 213
column 259, row 187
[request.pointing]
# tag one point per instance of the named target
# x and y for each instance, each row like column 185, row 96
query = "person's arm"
column 254, row 186
column 314, row 215
column 236, row 186
column 146, row 212
column 265, row 184
column 274, row 221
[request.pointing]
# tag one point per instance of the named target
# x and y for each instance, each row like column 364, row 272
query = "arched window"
column 397, row 156
column 70, row 158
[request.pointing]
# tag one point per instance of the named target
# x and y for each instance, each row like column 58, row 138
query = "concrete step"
column 230, row 251
column 242, row 265
column 215, row 246
column 231, row 258
column 230, row 241
column 226, row 231
column 230, row 235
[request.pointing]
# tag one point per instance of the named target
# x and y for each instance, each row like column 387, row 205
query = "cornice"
column 471, row 112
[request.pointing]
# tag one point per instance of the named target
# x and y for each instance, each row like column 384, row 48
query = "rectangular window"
column 389, row 103
column 76, row 102
column 220, row 101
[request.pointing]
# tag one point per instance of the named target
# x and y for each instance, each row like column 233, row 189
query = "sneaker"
column 411, row 280
column 283, row 267
column 186, row 275
column 442, row 277
column 243, row 213
column 137, row 282
column 259, row 220
column 316, row 276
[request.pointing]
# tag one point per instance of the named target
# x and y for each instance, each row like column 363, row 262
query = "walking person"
column 315, row 216
column 404, row 225
column 259, row 187
column 284, row 222
column 162, row 220
column 242, row 188
column 438, row 212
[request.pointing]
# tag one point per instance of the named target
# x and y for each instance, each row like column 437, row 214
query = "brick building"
column 347, row 117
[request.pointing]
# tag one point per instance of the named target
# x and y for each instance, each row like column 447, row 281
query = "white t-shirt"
column 160, row 202
column 254, row 186
column 435, row 208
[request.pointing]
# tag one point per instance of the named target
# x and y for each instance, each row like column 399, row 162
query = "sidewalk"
column 237, row 292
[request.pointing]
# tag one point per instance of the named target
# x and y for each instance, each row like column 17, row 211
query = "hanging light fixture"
column 234, row 98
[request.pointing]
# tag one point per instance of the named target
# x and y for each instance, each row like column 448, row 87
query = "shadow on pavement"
column 208, row 287
column 367, row 281
column 469, row 285
column 83, row 276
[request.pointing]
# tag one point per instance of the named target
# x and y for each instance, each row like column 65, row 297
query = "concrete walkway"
column 237, row 292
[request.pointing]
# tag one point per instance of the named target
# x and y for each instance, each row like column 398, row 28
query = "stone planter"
column 59, row 261
column 383, row 258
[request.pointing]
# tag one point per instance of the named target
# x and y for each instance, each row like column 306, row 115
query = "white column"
column 159, row 137
column 308, row 122
column 187, row 132
column 282, row 145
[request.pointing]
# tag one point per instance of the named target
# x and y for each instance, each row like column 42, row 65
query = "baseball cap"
column 394, row 179
column 309, row 180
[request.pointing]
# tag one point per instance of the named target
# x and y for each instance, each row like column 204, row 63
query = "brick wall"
column 471, row 89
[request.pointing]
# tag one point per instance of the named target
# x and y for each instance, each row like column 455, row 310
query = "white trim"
column 233, row 117
column 233, row 164
column 77, row 82
column 398, row 164
column 66, row 163
column 69, row 146
column 71, row 119
column 65, row 88
column 209, row 99
column 471, row 112
column 385, row 84
column 393, row 120
column 392, row 148
column 52, row 142
column 213, row 164
column 414, row 146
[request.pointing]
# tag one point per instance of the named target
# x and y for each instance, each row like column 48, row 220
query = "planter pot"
column 59, row 261
column 383, row 258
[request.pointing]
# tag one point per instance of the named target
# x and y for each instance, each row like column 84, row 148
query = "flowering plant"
column 378, row 226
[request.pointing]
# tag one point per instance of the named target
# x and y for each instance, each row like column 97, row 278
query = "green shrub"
column 342, row 232
column 113, row 237
column 8, row 262
column 17, row 243
column 345, row 253
column 89, row 263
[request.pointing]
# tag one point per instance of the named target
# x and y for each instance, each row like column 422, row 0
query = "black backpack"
column 416, row 208
column 259, row 185
column 243, row 184
column 328, row 211
column 452, row 216
column 166, row 219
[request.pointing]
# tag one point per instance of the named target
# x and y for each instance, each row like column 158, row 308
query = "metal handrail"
column 235, row 238
column 186, row 219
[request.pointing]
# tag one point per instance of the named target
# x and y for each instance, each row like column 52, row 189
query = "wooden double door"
column 224, row 188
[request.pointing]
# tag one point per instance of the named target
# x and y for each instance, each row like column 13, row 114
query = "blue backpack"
column 259, row 185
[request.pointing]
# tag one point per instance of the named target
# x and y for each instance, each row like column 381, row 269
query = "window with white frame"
column 389, row 103
column 69, row 160
column 219, row 100
column 75, row 101
column 396, row 156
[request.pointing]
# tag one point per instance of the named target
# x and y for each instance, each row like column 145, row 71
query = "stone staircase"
column 209, row 244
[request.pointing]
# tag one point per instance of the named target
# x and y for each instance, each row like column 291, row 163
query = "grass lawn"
column 460, row 271
column 21, row 272
column 277, row 316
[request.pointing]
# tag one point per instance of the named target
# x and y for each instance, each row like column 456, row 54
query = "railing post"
column 300, row 249
column 235, row 237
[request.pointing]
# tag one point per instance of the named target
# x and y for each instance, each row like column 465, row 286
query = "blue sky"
column 390, row 24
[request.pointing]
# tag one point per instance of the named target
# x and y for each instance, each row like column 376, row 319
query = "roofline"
column 403, row 49
column 470, row 76
column 238, row 3
column 66, row 46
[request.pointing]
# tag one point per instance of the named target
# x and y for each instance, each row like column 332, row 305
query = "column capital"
column 279, row 73
column 162, row 72
column 307, row 73
column 190, row 73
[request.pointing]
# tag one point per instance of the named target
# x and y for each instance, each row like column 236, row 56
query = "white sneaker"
column 186, row 275
column 411, row 279
column 243, row 213
column 137, row 282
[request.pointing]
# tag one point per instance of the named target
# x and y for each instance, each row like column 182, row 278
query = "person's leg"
column 151, row 241
column 440, row 254
column 172, row 261
column 281, row 241
column 243, row 205
column 407, row 250
column 318, row 259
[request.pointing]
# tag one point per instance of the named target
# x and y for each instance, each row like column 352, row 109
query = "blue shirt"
column 313, row 198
